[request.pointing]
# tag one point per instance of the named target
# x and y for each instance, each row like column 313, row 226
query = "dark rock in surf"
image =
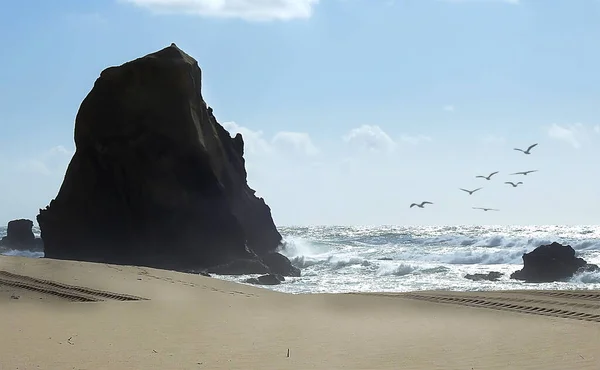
column 242, row 266
column 490, row 276
column 19, row 235
column 155, row 179
column 270, row 279
column 270, row 263
column 280, row 265
column 552, row 262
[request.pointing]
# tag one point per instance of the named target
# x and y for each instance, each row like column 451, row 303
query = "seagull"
column 528, row 149
column 420, row 205
column 486, row 209
column 488, row 177
column 524, row 172
column 513, row 184
column 470, row 191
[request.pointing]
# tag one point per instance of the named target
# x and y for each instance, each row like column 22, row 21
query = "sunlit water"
column 349, row 259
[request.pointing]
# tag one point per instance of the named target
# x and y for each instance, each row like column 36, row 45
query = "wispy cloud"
column 51, row 162
column 575, row 134
column 371, row 138
column 255, row 144
column 251, row 10
column 448, row 108
column 298, row 141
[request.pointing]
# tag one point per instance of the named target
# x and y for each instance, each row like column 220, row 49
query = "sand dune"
column 73, row 315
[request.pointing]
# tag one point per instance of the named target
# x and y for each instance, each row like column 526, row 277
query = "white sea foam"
column 344, row 259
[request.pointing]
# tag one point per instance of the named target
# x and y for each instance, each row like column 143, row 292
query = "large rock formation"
column 155, row 179
column 19, row 235
column 552, row 262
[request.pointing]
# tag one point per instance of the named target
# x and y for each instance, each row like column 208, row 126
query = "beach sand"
column 194, row 322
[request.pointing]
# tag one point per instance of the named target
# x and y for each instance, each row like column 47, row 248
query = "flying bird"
column 524, row 172
column 528, row 149
column 487, row 177
column 513, row 184
column 486, row 209
column 420, row 205
column 470, row 191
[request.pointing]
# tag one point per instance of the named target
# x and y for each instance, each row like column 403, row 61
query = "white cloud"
column 573, row 134
column 254, row 142
column 449, row 108
column 252, row 10
column 597, row 129
column 53, row 161
column 284, row 141
column 299, row 141
column 371, row 138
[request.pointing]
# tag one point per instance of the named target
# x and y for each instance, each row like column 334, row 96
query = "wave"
column 21, row 253
column 411, row 250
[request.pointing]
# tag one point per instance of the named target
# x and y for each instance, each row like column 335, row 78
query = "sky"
column 351, row 110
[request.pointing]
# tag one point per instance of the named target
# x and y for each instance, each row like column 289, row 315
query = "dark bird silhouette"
column 470, row 191
column 487, row 177
column 486, row 209
column 513, row 184
column 420, row 205
column 528, row 149
column 524, row 172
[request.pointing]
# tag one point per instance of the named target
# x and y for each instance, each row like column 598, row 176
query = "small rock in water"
column 490, row 276
column 270, row 279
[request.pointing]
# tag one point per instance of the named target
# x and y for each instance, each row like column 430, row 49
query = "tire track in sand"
column 67, row 292
column 512, row 302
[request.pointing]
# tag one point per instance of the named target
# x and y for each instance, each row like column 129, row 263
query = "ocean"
column 336, row 259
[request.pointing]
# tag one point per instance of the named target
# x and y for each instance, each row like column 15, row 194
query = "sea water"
column 338, row 259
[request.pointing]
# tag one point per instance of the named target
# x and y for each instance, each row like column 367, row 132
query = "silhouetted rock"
column 552, row 262
column 155, row 179
column 280, row 265
column 271, row 279
column 270, row 263
column 242, row 266
column 490, row 276
column 19, row 235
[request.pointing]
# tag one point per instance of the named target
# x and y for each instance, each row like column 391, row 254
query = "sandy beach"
column 75, row 315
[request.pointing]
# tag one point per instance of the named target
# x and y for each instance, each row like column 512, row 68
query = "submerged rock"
column 552, row 262
column 155, row 179
column 490, row 276
column 270, row 279
column 280, row 265
column 270, row 263
column 242, row 266
column 19, row 235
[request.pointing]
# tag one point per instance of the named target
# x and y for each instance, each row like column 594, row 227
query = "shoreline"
column 185, row 321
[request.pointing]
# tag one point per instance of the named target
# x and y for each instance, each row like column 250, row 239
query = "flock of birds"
column 489, row 177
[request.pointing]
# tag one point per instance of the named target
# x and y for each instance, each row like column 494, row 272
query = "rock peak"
column 155, row 179
column 172, row 52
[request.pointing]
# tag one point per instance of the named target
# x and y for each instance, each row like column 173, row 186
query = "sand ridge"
column 184, row 321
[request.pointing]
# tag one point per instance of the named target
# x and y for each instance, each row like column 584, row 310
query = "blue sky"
column 351, row 109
